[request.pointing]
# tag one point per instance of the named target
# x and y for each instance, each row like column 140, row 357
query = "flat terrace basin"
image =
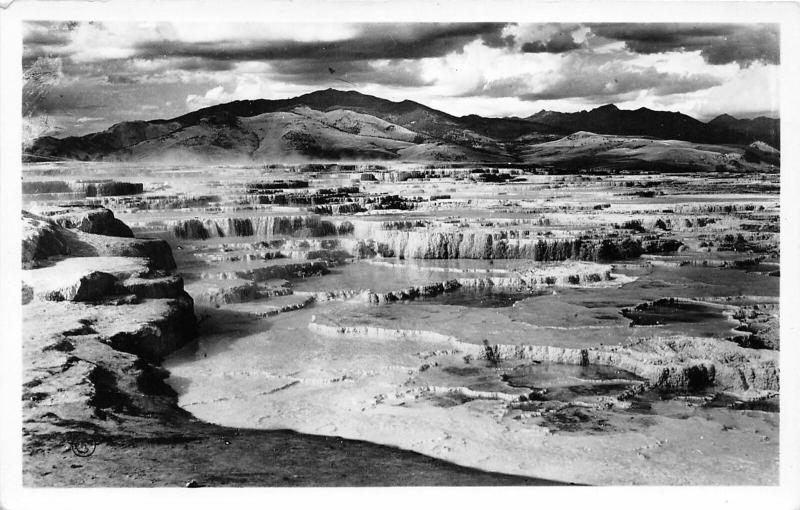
column 689, row 281
column 565, row 316
column 374, row 277
column 576, row 309
column 669, row 311
column 475, row 324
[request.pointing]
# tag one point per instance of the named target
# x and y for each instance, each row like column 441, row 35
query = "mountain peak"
column 607, row 108
column 724, row 118
column 332, row 92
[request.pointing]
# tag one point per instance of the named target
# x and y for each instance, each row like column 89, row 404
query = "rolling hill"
column 333, row 125
column 591, row 151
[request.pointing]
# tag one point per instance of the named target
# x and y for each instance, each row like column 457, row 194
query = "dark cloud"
column 609, row 85
column 496, row 39
column 128, row 70
column 296, row 61
column 560, row 42
column 399, row 73
column 46, row 38
column 115, row 79
column 196, row 64
column 717, row 43
column 596, row 80
column 33, row 30
column 354, row 59
column 122, row 100
column 376, row 41
column 745, row 47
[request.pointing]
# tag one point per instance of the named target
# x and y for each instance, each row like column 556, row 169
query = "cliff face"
column 264, row 226
column 502, row 244
column 113, row 311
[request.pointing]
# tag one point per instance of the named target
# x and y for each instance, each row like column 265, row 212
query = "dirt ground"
column 214, row 456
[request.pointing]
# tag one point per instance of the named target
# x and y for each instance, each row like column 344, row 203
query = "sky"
column 82, row 77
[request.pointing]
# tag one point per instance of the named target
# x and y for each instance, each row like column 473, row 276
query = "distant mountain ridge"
column 610, row 120
column 761, row 129
column 336, row 125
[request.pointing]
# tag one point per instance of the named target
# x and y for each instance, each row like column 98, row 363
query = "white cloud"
column 245, row 87
column 750, row 91
column 211, row 97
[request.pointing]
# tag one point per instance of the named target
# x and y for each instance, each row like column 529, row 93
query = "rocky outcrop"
column 229, row 291
column 670, row 363
column 561, row 275
column 92, row 366
column 759, row 326
column 465, row 393
column 84, row 278
column 336, row 295
column 279, row 305
column 43, row 239
column 427, row 290
column 665, row 362
column 272, row 272
column 694, row 363
column 154, row 287
column 93, row 369
column 89, row 219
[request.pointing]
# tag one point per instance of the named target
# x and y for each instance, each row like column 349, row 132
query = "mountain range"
column 334, row 125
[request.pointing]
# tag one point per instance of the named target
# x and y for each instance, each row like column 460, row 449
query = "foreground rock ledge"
column 95, row 324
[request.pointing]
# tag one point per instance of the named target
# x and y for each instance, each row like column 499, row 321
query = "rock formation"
column 43, row 239
column 112, row 310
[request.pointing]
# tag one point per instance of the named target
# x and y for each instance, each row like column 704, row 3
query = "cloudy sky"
column 84, row 76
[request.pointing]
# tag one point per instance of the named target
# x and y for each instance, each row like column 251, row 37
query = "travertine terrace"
column 603, row 327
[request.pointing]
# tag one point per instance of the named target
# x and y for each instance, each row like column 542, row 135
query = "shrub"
column 492, row 353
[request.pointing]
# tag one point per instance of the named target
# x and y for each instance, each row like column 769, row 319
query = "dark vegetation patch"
column 670, row 310
column 462, row 371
